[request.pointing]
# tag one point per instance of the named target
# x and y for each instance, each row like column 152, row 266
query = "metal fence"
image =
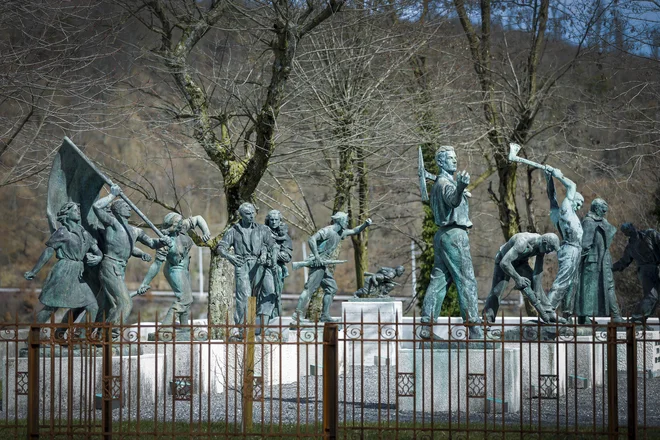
column 373, row 377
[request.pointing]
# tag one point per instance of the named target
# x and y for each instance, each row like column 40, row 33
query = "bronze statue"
column 251, row 242
column 323, row 244
column 65, row 287
column 115, row 302
column 512, row 262
column 379, row 284
column 595, row 295
column 644, row 249
column 451, row 244
column 176, row 256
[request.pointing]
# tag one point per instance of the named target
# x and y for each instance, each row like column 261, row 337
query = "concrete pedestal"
column 376, row 324
column 443, row 380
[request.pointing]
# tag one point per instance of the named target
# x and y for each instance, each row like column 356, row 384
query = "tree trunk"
column 360, row 250
column 221, row 294
column 508, row 209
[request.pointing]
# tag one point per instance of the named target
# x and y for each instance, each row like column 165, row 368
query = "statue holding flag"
column 119, row 237
column 75, row 179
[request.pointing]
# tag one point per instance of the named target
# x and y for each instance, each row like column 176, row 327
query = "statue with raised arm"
column 176, row 256
column 568, row 224
column 269, row 306
column 512, row 262
column 119, row 245
column 595, row 295
column 451, row 245
column 322, row 245
column 73, row 246
column 644, row 249
column 251, row 242
column 379, row 284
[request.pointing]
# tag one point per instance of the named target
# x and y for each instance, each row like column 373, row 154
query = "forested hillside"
column 313, row 107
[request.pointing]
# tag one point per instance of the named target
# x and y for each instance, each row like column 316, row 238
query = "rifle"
column 313, row 262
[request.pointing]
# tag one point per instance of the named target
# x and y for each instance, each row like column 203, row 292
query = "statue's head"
column 341, row 219
column 120, row 208
column 69, row 211
column 172, row 223
column 549, row 243
column 247, row 212
column 578, row 201
column 274, row 219
column 399, row 270
column 599, row 207
column 445, row 157
column 628, row 229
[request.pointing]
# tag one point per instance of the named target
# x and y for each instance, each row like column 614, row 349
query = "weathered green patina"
column 451, row 245
column 595, row 296
column 176, row 256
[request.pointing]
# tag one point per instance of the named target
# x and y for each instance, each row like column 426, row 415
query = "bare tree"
column 215, row 114
column 52, row 82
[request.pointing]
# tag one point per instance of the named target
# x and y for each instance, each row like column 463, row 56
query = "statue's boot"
column 489, row 315
column 296, row 319
column 169, row 318
column 184, row 318
column 325, row 314
column 475, row 332
column 426, row 333
column 328, row 318
column 618, row 319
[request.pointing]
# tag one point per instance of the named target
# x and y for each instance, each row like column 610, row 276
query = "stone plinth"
column 370, row 330
column 443, row 380
column 80, row 378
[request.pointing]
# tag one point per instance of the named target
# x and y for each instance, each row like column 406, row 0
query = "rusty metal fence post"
column 330, row 381
column 106, row 396
column 33, row 382
column 631, row 368
column 612, row 384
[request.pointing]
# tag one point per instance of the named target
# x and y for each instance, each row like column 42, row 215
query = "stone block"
column 371, row 330
column 443, row 380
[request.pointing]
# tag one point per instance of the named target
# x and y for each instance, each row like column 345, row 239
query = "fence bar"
column 106, row 393
column 330, row 381
column 33, row 382
column 612, row 385
column 631, row 368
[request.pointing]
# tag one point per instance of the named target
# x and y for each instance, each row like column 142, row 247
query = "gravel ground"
column 301, row 403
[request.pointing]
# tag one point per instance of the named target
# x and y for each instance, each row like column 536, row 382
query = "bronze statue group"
column 93, row 244
column 584, row 285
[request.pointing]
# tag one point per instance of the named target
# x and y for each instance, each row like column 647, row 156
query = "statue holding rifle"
column 322, row 244
column 565, row 219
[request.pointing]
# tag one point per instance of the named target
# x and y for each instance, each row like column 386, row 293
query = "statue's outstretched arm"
column 357, row 230
column 151, row 274
column 199, row 222
column 46, row 255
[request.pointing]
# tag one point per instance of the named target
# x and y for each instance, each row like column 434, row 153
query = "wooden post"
column 612, row 384
column 330, row 381
column 248, row 362
column 631, row 367
column 33, row 382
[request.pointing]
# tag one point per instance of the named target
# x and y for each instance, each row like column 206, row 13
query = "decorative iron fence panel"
column 372, row 377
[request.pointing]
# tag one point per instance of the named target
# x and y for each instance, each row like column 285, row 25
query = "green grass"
column 148, row 430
